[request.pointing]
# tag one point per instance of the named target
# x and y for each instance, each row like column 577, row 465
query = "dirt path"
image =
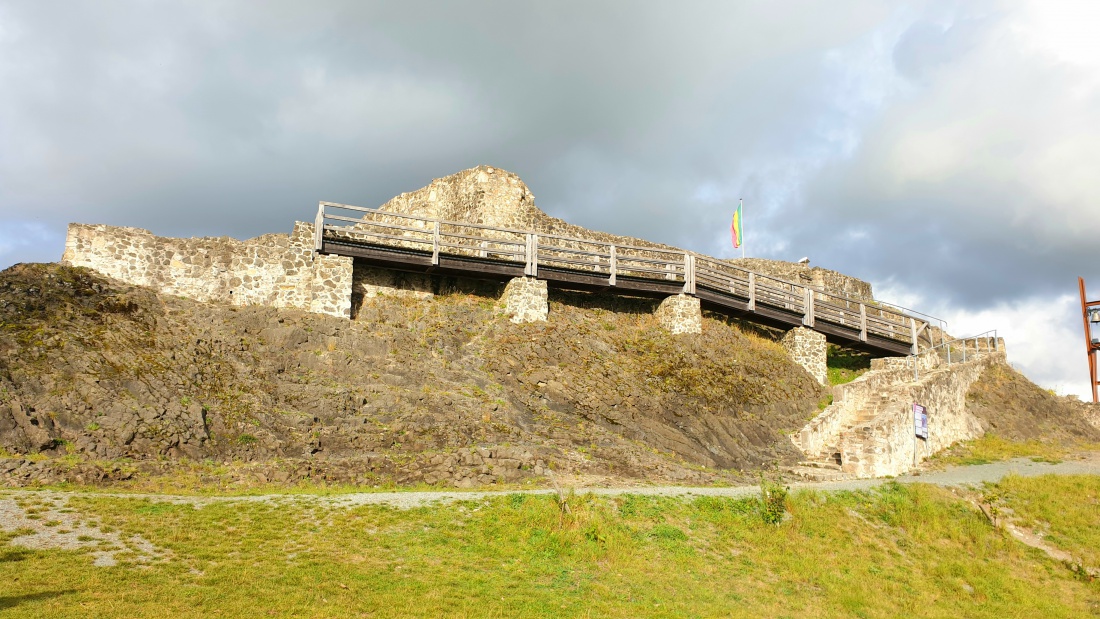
column 1088, row 464
column 43, row 518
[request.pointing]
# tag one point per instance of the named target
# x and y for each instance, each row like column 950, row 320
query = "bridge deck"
column 426, row 245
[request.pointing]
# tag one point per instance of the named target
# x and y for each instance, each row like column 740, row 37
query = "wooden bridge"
column 426, row 245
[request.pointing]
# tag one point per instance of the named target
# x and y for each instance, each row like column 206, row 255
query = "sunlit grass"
column 1066, row 509
column 992, row 448
column 897, row 551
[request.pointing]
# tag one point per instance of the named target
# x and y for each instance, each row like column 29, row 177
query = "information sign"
column 920, row 421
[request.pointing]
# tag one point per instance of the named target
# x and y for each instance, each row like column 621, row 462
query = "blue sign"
column 920, row 421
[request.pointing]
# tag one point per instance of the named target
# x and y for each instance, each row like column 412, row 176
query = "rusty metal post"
column 1090, row 347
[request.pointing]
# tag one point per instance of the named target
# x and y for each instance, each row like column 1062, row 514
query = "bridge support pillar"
column 680, row 314
column 525, row 300
column 807, row 348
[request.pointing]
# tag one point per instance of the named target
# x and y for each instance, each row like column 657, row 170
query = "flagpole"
column 741, row 209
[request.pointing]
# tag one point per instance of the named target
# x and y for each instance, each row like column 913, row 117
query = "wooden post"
column 483, row 253
column 614, row 266
column 319, row 228
column 435, row 245
column 913, row 332
column 862, row 322
column 534, row 255
column 752, row 291
column 527, row 254
column 808, row 307
column 689, row 273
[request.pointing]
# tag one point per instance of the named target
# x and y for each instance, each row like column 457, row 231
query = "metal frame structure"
column 1091, row 345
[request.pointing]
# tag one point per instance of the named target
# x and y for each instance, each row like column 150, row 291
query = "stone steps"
column 815, row 472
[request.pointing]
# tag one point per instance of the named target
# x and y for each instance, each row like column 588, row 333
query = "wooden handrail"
column 686, row 268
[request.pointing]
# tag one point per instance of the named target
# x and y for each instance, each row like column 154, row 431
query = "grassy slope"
column 1021, row 419
column 900, row 551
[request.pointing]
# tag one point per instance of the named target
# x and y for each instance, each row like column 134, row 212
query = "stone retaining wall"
column 887, row 445
column 870, row 422
column 274, row 269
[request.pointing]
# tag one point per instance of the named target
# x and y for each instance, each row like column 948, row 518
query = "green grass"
column 844, row 365
column 993, row 448
column 898, row 551
column 1066, row 509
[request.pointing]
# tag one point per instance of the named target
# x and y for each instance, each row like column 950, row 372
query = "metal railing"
column 427, row 236
column 971, row 346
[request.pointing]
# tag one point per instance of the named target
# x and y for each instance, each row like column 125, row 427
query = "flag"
column 736, row 231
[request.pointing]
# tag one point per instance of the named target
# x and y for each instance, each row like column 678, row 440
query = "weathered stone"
column 807, row 348
column 252, row 272
column 680, row 314
column 525, row 300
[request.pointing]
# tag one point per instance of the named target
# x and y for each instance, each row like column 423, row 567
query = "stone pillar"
column 330, row 291
column 807, row 348
column 524, row 300
column 680, row 314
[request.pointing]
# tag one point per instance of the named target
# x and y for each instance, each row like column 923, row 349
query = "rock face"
column 441, row 392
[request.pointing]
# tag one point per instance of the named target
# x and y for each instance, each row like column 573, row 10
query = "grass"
column 1065, row 509
column 843, row 365
column 993, row 448
column 897, row 551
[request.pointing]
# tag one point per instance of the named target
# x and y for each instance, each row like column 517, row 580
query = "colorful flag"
column 736, row 230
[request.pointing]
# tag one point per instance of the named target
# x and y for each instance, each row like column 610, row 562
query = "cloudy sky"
column 949, row 152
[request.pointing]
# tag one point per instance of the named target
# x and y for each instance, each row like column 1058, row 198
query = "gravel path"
column 1088, row 464
column 47, row 521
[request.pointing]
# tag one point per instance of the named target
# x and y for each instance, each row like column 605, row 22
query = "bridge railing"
column 426, row 236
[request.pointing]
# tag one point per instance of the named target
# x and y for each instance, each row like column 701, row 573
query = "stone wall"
column 494, row 197
column 886, row 445
column 816, row 277
column 680, row 314
column 808, row 349
column 274, row 269
column 870, row 422
column 525, row 299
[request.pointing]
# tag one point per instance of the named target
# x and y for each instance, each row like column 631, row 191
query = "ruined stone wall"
column 274, row 269
column 816, row 277
column 494, row 197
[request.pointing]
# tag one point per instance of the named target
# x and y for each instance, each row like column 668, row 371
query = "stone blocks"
column 680, row 314
column 274, row 269
column 807, row 348
column 525, row 300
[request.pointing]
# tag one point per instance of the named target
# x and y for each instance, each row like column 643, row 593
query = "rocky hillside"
column 1012, row 407
column 95, row 376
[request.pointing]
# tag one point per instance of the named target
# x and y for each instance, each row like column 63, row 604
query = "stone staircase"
column 868, row 429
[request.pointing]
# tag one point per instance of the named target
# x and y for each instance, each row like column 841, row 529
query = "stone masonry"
column 680, row 314
column 807, row 348
column 273, row 269
column 525, row 300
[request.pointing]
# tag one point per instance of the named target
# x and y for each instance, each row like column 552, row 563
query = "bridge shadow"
column 606, row 301
column 745, row 325
column 11, row 601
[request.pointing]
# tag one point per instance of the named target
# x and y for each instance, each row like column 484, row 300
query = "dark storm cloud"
column 649, row 119
column 237, row 117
